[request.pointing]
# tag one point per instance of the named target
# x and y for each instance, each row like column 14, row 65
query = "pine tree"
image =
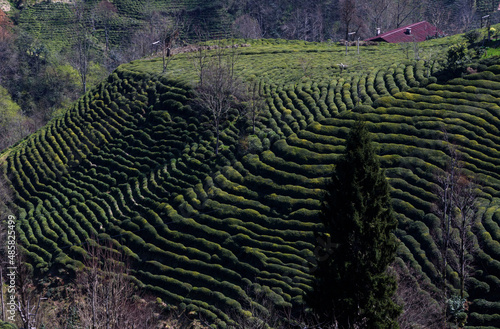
column 353, row 286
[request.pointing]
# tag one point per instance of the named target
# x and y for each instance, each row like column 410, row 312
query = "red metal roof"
column 419, row 32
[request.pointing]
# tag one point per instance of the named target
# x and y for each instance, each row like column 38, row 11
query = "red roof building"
column 411, row 33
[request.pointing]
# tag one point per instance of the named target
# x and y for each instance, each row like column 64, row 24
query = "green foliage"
column 7, row 325
column 457, row 308
column 351, row 278
column 457, row 56
column 472, row 36
column 69, row 78
column 10, row 112
column 11, row 119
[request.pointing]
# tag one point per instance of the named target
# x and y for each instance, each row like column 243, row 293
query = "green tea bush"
column 484, row 319
column 370, row 85
column 299, row 155
column 415, row 249
column 309, row 103
column 363, row 94
column 341, row 106
column 488, row 306
column 176, row 287
column 401, row 82
column 380, row 83
column 330, row 100
column 315, row 147
column 241, row 202
column 322, row 92
column 7, row 325
column 231, row 180
column 39, row 256
column 310, row 171
column 384, row 101
column 277, row 298
column 410, row 77
column 390, row 83
column 346, row 96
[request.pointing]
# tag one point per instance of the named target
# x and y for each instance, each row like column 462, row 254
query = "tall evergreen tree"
column 353, row 286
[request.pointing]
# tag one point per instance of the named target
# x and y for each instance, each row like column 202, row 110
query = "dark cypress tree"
column 353, row 285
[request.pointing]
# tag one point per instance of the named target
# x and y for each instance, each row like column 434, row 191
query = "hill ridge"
column 132, row 163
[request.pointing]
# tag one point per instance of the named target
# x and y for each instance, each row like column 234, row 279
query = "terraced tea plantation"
column 132, row 163
column 52, row 24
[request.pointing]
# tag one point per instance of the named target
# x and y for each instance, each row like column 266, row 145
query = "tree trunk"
column 106, row 31
column 253, row 120
column 93, row 301
column 163, row 53
column 108, row 310
column 84, row 81
column 217, row 132
column 462, row 267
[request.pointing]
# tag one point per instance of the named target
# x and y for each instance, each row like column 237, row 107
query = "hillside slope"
column 52, row 24
column 131, row 162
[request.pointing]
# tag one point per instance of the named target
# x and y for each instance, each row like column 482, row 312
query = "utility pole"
column 485, row 22
column 347, row 42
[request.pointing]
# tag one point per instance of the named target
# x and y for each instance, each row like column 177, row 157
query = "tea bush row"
column 255, row 223
column 300, row 155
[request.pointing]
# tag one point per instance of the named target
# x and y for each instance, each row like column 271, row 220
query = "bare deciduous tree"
column 439, row 15
column 5, row 199
column 3, row 257
column 247, row 27
column 200, row 57
column 466, row 14
column 464, row 200
column 267, row 15
column 105, row 296
column 3, row 240
column 305, row 23
column 146, row 40
column 30, row 294
column 266, row 314
column 457, row 196
column 159, row 34
column 404, row 11
column 420, row 310
column 8, row 57
column 254, row 103
column 219, row 88
column 105, row 289
column 105, row 13
column 349, row 17
column 169, row 33
column 444, row 207
column 377, row 14
column 82, row 25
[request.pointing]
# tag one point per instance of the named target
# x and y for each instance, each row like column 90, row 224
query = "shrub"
column 254, row 144
column 457, row 56
column 7, row 325
column 472, row 36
